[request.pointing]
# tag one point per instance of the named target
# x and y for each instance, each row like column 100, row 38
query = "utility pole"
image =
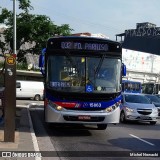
column 10, row 87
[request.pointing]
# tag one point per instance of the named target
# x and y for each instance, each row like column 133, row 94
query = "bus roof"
column 130, row 81
column 83, row 37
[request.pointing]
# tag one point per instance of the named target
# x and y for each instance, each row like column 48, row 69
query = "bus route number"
column 70, row 45
column 95, row 105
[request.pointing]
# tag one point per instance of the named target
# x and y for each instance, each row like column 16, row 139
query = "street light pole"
column 14, row 26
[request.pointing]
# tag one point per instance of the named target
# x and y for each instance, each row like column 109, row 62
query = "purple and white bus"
column 83, row 77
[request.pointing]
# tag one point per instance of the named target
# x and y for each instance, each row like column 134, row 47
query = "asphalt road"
column 121, row 140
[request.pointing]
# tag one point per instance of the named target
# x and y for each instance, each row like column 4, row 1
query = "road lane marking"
column 142, row 140
column 34, row 138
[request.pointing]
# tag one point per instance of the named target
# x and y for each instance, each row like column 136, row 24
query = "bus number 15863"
column 95, row 105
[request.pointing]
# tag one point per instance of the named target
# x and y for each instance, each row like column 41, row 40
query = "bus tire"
column 48, row 125
column 102, row 126
column 37, row 97
column 122, row 117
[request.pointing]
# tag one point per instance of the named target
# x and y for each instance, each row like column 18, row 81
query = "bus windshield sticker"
column 99, row 88
column 89, row 88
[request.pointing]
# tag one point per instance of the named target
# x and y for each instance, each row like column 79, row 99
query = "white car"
column 136, row 107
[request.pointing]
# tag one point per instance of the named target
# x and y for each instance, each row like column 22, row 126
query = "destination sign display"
column 84, row 46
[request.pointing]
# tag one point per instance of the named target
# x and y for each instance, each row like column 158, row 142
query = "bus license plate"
column 84, row 117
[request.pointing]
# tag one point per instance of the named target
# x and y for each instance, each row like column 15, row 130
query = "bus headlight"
column 55, row 106
column 112, row 108
column 59, row 108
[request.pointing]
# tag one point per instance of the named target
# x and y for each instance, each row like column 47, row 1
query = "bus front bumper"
column 81, row 117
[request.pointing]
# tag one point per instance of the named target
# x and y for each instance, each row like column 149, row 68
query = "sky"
column 108, row 17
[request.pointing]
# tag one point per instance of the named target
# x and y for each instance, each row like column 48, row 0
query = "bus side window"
column 126, row 86
column 129, row 86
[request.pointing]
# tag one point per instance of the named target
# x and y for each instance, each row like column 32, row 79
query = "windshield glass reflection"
column 84, row 74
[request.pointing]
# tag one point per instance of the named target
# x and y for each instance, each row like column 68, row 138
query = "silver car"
column 155, row 100
column 137, row 107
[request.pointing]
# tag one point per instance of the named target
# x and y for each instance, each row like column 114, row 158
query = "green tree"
column 32, row 30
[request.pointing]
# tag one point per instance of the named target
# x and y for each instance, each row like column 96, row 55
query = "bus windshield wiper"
column 99, row 66
column 96, row 72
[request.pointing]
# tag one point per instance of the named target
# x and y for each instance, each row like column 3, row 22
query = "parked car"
column 155, row 100
column 137, row 107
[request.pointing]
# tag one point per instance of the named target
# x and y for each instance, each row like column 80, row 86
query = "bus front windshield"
column 83, row 74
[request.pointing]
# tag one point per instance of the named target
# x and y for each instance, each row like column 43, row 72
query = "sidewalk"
column 24, row 135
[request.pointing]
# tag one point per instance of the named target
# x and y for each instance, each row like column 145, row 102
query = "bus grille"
column 85, row 109
column 92, row 119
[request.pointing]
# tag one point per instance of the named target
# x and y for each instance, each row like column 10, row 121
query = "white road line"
column 34, row 139
column 142, row 140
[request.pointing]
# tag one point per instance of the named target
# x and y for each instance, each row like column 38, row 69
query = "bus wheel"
column 37, row 97
column 122, row 117
column 48, row 125
column 102, row 126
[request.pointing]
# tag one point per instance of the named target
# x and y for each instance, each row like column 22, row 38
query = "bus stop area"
column 24, row 136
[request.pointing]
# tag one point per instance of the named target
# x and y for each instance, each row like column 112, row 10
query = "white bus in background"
column 30, row 89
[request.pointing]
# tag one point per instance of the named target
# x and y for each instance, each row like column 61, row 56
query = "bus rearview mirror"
column 124, row 71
